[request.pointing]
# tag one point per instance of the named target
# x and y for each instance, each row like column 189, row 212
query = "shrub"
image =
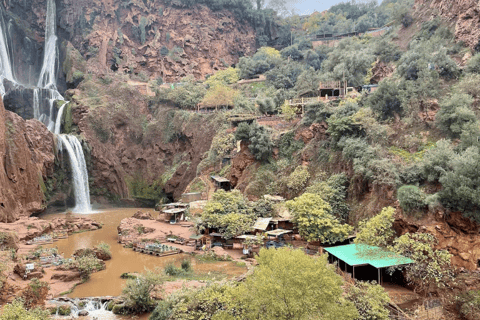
column 104, row 248
column 473, row 65
column 16, row 310
column 386, row 100
column 435, row 161
column 378, row 230
column 411, row 199
column 162, row 311
column 288, row 145
column 333, row 191
column 35, row 293
column 298, row 179
column 87, row 265
column 470, row 304
column 455, row 114
column 136, row 292
column 186, row 265
column 171, row 270
column 292, row 52
column 266, row 106
column 370, row 299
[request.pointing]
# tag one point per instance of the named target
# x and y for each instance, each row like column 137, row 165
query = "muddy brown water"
column 108, row 282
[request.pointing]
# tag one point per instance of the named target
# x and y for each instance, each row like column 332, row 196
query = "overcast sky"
column 309, row 6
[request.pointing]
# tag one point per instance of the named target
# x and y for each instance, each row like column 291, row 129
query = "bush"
column 315, row 113
column 171, row 270
column 436, row 160
column 473, row 65
column 162, row 311
column 104, row 248
column 266, row 106
column 411, row 199
column 288, row 145
column 370, row 299
column 470, row 304
column 259, row 138
column 292, row 52
column 186, row 265
column 298, row 179
column 455, row 114
column 378, row 230
column 16, row 311
column 386, row 100
column 136, row 292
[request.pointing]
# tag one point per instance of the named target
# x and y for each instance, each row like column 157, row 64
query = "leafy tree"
column 386, row 100
column 266, row 106
column 298, row 179
column 292, row 52
column 188, row 95
column 386, row 51
column 220, row 95
column 260, row 143
column 307, row 82
column 288, row 112
column 432, row 268
column 271, row 292
column 264, row 59
column 314, row 59
column 263, row 208
column 17, row 311
column 315, row 221
column 334, row 191
column 455, row 114
column 378, row 230
column 316, row 113
column 411, row 198
column 285, row 76
column 461, row 183
column 469, row 304
column 229, row 212
column 370, row 299
column 473, row 65
column 136, row 292
column 243, row 131
column 224, row 77
column 436, row 160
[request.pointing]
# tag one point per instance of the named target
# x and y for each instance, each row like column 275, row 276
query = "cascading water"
column 44, row 97
column 79, row 172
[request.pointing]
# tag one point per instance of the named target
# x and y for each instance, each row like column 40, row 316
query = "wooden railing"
column 305, row 101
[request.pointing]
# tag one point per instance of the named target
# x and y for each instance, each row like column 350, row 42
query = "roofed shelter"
column 363, row 255
column 221, row 183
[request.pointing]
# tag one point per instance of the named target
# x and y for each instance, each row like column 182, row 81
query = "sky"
column 309, row 6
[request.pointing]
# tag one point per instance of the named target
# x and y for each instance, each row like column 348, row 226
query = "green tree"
column 436, row 160
column 314, row 219
column 17, row 311
column 386, row 100
column 229, row 212
column 273, row 293
column 455, row 114
column 260, row 143
column 473, row 65
column 334, row 191
column 431, row 268
column 224, row 77
column 378, row 230
column 137, row 292
column 370, row 299
column 411, row 199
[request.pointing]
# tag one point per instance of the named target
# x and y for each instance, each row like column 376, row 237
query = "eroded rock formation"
column 26, row 159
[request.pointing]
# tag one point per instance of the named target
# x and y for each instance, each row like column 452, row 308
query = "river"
column 108, row 281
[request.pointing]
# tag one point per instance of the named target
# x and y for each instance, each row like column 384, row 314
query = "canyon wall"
column 26, row 158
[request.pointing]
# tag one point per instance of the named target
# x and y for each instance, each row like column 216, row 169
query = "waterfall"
column 58, row 122
column 47, row 75
column 96, row 307
column 36, row 104
column 5, row 63
column 79, row 172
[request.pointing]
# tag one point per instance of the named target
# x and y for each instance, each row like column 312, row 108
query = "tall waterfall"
column 79, row 172
column 5, row 64
column 44, row 97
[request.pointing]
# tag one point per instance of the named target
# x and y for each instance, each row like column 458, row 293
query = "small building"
column 369, row 88
column 276, row 199
column 365, row 262
column 262, row 224
column 221, row 183
column 174, row 215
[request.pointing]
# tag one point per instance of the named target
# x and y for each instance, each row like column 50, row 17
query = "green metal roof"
column 363, row 254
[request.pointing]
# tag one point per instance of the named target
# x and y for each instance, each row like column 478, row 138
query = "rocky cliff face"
column 464, row 14
column 26, row 158
column 152, row 39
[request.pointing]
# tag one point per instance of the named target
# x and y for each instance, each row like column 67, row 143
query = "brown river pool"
column 108, row 282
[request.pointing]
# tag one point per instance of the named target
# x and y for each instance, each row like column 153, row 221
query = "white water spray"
column 5, row 63
column 79, row 173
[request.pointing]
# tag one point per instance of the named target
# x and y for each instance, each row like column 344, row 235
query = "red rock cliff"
column 464, row 14
column 26, row 158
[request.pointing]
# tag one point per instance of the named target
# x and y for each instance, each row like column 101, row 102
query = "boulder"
column 143, row 215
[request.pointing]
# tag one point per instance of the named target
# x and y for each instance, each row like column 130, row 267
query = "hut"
column 365, row 262
column 221, row 183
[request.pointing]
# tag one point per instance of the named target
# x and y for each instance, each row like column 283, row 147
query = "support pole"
column 353, row 273
column 378, row 276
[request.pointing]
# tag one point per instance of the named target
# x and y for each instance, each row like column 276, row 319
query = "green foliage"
column 136, row 292
column 461, row 183
column 378, row 230
column 188, row 95
column 370, row 299
column 288, row 112
column 473, row 65
column 469, row 304
column 17, row 311
column 411, row 199
column 139, row 187
column 87, row 265
column 264, row 59
column 315, row 113
column 288, row 145
column 104, row 248
column 258, row 136
column 229, row 212
column 266, row 106
column 315, row 221
column 163, row 311
column 386, row 100
column 334, row 191
column 242, row 132
column 298, row 179
column 225, row 77
column 387, row 51
column 436, row 160
column 455, row 114
column 263, row 208
column 186, row 265
column 171, row 270
column 315, row 289
column 292, row 52
column 285, row 75
column 432, row 268
column 164, row 51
